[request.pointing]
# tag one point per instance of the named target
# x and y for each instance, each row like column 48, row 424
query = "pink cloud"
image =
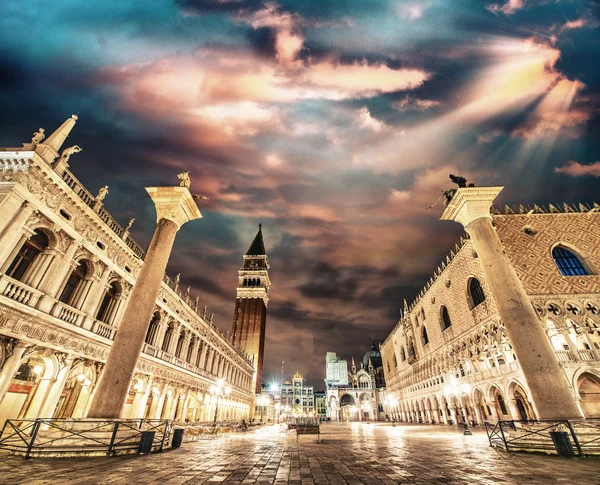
column 510, row 7
column 576, row 169
column 367, row 121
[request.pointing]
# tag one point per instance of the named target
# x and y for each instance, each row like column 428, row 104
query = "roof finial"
column 56, row 139
column 260, row 226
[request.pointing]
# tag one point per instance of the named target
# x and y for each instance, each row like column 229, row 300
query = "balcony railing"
column 17, row 291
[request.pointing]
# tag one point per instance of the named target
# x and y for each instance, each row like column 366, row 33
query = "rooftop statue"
column 38, row 136
column 184, row 179
column 130, row 223
column 448, row 194
column 67, row 152
column 102, row 193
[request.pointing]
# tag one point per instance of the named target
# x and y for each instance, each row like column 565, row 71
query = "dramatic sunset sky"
column 335, row 123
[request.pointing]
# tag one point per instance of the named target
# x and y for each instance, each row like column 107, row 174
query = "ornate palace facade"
column 361, row 395
column 66, row 271
column 449, row 357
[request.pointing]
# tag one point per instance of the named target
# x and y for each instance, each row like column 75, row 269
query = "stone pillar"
column 49, row 405
column 550, row 390
column 96, row 293
column 174, row 207
column 11, row 366
column 41, row 266
column 12, row 232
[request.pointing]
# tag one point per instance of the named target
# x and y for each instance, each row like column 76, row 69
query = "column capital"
column 470, row 203
column 175, row 204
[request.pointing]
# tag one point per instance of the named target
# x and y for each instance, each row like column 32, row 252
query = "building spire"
column 257, row 248
column 56, row 139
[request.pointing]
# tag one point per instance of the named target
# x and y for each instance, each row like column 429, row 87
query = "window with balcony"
column 108, row 305
column 73, row 283
column 27, row 255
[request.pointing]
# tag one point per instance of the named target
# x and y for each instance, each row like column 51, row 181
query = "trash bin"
column 177, row 437
column 562, row 443
column 146, row 442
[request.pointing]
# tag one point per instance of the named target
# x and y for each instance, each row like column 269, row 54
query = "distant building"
column 296, row 398
column 337, row 370
column 321, row 404
column 362, row 396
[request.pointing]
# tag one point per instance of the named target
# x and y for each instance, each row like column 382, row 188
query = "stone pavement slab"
column 350, row 453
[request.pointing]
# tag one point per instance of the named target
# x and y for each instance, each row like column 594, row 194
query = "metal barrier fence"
column 546, row 436
column 37, row 437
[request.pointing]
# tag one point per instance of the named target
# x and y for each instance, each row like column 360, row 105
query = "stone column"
column 11, row 366
column 49, row 406
column 174, row 207
column 12, row 232
column 546, row 380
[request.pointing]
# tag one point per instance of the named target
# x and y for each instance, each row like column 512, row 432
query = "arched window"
column 395, row 361
column 152, row 328
column 180, row 344
column 77, row 276
column 476, row 292
column 190, row 349
column 167, row 340
column 424, row 337
column 568, row 264
column 27, row 254
column 108, row 303
column 446, row 322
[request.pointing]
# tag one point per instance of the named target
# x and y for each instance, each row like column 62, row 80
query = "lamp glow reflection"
column 456, row 389
column 219, row 391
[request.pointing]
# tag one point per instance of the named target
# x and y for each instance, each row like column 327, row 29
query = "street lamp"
column 262, row 402
column 391, row 404
column 219, row 391
column 274, row 388
column 453, row 388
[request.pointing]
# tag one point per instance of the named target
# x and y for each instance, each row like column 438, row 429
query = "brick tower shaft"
column 250, row 314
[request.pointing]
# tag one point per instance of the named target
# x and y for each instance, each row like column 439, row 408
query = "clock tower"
column 250, row 314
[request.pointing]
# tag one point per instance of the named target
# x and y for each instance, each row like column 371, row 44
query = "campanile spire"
column 250, row 315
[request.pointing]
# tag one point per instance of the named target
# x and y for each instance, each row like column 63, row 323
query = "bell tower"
column 250, row 314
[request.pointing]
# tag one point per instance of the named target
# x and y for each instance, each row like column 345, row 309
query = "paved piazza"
column 349, row 453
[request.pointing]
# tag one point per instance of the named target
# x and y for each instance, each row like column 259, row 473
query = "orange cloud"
column 576, row 169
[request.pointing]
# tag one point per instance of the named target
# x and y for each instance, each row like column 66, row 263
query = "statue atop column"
column 448, row 194
column 38, row 136
column 184, row 179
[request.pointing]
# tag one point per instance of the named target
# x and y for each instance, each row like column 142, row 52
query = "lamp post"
column 220, row 390
column 262, row 402
column 391, row 403
column 274, row 388
column 454, row 388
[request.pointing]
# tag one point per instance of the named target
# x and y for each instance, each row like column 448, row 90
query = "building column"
column 10, row 367
column 174, row 207
column 92, row 300
column 13, row 232
column 141, row 399
column 547, row 382
column 49, row 406
column 60, row 271
column 41, row 265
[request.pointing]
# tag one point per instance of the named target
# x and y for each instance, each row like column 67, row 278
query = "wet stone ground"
column 351, row 453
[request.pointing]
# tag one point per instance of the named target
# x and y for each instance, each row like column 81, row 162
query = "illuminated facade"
column 362, row 398
column 449, row 357
column 67, row 268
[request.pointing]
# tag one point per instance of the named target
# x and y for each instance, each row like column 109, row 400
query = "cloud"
column 509, row 8
column 367, row 121
column 411, row 10
column 576, row 169
column 411, row 103
column 288, row 39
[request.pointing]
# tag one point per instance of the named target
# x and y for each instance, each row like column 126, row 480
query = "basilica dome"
column 375, row 357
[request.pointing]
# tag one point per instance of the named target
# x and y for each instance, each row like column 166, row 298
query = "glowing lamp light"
column 274, row 388
column 81, row 377
column 37, row 370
